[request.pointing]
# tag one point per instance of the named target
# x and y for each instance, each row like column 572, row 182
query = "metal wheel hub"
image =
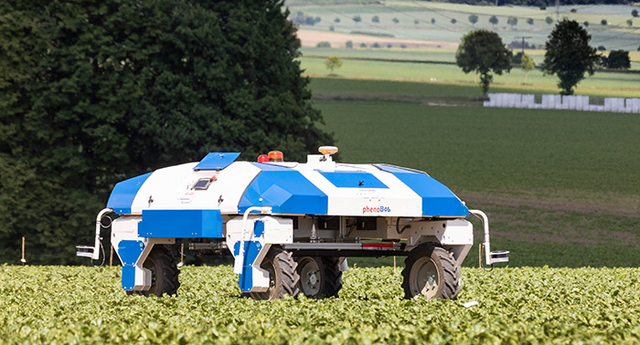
column 313, row 278
column 425, row 279
column 310, row 276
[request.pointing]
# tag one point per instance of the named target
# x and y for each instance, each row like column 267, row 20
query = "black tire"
column 283, row 277
column 431, row 271
column 319, row 276
column 334, row 276
column 164, row 273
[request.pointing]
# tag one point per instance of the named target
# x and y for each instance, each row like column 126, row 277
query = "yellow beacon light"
column 328, row 150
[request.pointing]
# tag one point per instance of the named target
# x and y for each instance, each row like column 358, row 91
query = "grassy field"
column 610, row 84
column 83, row 305
column 561, row 187
column 423, row 54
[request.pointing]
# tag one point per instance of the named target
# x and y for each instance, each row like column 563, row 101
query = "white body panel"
column 172, row 188
column 398, row 200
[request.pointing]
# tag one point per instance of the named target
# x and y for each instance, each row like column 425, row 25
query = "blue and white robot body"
column 320, row 206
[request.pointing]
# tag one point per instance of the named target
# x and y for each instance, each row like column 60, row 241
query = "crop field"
column 609, row 84
column 84, row 305
column 448, row 22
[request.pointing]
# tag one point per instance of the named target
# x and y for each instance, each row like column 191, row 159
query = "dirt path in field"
column 525, row 219
column 310, row 38
column 630, row 210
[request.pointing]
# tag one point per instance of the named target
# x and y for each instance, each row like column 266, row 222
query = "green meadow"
column 602, row 83
column 561, row 187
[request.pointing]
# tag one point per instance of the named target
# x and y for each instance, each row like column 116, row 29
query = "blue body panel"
column 285, row 190
column 129, row 252
column 251, row 252
column 352, row 179
column 217, row 160
column 124, row 192
column 258, row 228
column 181, row 223
column 437, row 199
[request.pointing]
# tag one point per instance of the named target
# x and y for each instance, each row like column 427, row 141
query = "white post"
column 96, row 245
column 486, row 244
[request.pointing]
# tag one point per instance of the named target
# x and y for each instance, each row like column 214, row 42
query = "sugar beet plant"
column 515, row 306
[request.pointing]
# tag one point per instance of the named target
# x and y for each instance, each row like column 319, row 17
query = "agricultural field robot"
column 290, row 226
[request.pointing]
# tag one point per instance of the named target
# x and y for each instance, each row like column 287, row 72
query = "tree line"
column 537, row 3
column 568, row 56
column 543, row 4
column 94, row 92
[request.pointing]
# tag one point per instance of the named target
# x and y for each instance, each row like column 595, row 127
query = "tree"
column 453, row 21
column 357, row 19
column 433, row 20
column 618, row 59
column 568, row 55
column 337, row 20
column 541, row 4
column 375, row 19
column 482, row 51
column 517, row 58
column 530, row 21
column 526, row 65
column 548, row 20
column 634, row 13
column 512, row 21
column 95, row 92
column 604, row 22
column 333, row 62
column 473, row 19
column 416, row 22
column 493, row 20
column 629, row 22
column 349, row 44
column 586, row 24
column 396, row 20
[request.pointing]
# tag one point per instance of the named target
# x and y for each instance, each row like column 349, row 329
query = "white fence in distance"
column 515, row 100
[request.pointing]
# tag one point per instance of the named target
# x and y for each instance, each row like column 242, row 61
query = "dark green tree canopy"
column 618, row 59
column 473, row 19
column 569, row 55
column 482, row 51
column 97, row 91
